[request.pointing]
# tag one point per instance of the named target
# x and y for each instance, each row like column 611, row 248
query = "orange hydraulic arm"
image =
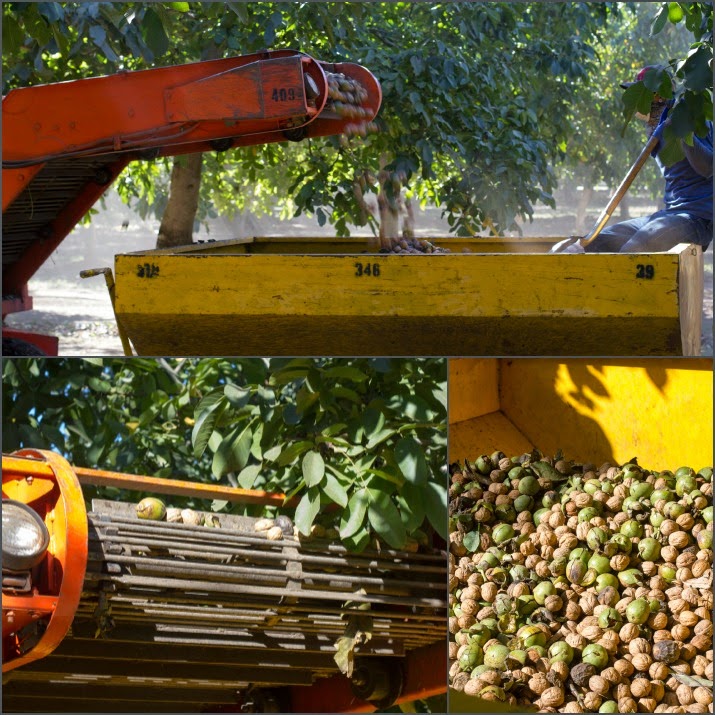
column 64, row 143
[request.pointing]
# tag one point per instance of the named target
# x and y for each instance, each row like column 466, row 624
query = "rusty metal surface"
column 197, row 616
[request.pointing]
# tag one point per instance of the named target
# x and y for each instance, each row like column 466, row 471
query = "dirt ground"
column 79, row 311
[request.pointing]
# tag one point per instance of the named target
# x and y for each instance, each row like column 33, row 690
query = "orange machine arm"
column 47, row 482
column 64, row 143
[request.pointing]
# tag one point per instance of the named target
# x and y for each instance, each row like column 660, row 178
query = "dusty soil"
column 79, row 311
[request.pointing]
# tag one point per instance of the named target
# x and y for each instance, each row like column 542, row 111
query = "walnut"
column 666, row 651
column 552, row 697
column 598, row 684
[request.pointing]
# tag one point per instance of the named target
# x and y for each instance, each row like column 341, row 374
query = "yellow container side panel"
column 458, row 285
column 475, row 381
column 484, row 435
column 451, row 304
column 658, row 410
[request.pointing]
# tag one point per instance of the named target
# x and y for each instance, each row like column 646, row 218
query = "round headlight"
column 24, row 536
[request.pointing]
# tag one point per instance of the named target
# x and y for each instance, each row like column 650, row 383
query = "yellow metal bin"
column 658, row 410
column 324, row 296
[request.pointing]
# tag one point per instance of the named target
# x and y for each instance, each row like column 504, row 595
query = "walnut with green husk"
column 578, row 588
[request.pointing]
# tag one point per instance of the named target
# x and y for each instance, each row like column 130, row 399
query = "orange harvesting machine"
column 63, row 144
column 106, row 611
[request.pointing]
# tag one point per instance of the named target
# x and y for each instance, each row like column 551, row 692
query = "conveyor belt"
column 191, row 617
column 51, row 204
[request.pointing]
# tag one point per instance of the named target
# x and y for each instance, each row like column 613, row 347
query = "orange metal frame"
column 211, row 105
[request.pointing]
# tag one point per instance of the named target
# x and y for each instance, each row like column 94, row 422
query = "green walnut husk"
column 151, row 508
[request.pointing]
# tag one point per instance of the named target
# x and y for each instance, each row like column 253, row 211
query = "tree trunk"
column 408, row 224
column 177, row 223
column 583, row 202
column 625, row 207
column 389, row 221
column 389, row 208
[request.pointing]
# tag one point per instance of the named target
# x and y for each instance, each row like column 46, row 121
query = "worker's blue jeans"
column 660, row 231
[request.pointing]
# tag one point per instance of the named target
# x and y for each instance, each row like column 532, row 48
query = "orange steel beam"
column 425, row 673
column 12, row 464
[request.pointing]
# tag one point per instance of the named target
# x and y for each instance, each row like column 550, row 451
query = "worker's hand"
column 658, row 131
column 575, row 247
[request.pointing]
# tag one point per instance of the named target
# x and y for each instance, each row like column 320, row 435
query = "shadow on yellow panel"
column 658, row 410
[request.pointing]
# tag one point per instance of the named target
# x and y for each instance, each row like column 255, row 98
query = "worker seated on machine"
column 688, row 213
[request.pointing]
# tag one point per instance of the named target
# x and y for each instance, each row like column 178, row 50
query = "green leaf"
column 385, row 518
column 412, row 406
column 345, row 372
column 381, row 436
column 412, row 509
column 291, row 453
column 290, row 373
column 546, row 471
column 99, row 385
column 353, row 517
column 472, row 541
column 670, row 150
column 313, row 469
column 98, row 35
column 388, row 476
column 256, row 450
column 233, row 451
column 346, row 393
column 636, row 98
column 97, row 362
column 215, row 441
column 332, row 430
column 154, row 33
column 697, row 70
column 307, row 510
column 305, row 399
column 372, row 421
column 660, row 20
column 36, row 25
column 358, row 541
column 435, row 501
column 247, row 477
column 335, row 490
column 273, row 453
column 206, row 415
column 237, row 396
column 411, row 460
column 179, row 6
